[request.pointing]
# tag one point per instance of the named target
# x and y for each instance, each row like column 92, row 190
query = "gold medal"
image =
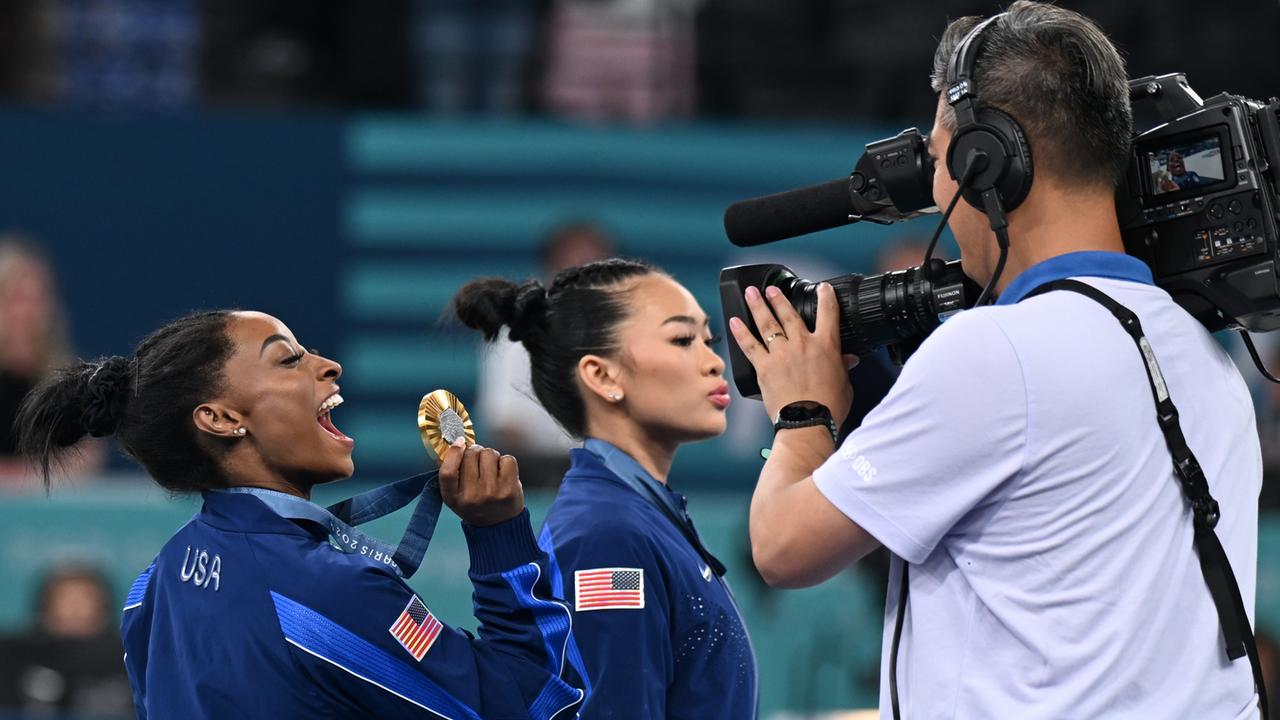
column 441, row 420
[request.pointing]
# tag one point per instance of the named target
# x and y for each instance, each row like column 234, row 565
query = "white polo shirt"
column 1017, row 465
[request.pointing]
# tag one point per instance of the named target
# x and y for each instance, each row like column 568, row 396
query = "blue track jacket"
column 245, row 614
column 683, row 654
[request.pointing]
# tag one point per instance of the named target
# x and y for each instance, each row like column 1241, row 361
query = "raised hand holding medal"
column 479, row 484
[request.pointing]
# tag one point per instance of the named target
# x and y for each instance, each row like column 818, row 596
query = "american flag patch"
column 416, row 628
column 608, row 589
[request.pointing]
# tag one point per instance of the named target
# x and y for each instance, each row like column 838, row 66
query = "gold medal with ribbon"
column 441, row 420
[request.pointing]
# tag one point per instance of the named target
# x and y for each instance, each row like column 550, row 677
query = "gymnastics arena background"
column 353, row 212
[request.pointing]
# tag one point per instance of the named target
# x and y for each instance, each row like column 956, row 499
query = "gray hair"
column 1056, row 72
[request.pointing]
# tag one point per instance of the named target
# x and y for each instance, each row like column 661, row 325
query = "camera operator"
column 1016, row 468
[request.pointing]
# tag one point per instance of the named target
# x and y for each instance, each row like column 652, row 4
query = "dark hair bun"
column 488, row 304
column 106, row 391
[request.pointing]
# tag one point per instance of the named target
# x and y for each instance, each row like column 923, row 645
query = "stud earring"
column 615, row 396
column 239, row 431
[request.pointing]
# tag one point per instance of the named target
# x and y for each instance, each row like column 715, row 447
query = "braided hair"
column 144, row 401
column 577, row 315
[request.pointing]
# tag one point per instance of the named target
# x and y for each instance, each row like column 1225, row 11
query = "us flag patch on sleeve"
column 416, row 629
column 608, row 589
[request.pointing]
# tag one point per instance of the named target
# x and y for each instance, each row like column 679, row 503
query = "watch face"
column 803, row 410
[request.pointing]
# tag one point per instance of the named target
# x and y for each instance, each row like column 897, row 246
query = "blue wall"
column 149, row 217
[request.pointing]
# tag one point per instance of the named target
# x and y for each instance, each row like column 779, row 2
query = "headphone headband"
column 960, row 85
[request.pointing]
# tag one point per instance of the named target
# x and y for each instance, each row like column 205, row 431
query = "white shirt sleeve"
column 947, row 438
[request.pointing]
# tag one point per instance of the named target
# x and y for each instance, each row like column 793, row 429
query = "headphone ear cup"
column 1016, row 182
column 1009, row 168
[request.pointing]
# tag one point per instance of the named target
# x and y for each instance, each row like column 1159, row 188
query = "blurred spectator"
column 70, row 660
column 621, row 59
column 33, row 340
column 1268, row 425
column 353, row 52
column 821, row 59
column 136, row 54
column 902, row 253
column 28, row 63
column 1267, row 658
column 267, row 51
column 506, row 403
column 474, row 55
column 639, row 60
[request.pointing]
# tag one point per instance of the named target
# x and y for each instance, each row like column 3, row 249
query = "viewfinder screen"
column 1189, row 164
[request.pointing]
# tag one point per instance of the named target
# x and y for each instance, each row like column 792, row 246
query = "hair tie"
column 105, row 397
column 529, row 311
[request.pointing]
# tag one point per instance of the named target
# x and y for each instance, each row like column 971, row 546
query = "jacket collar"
column 247, row 514
column 603, row 460
column 617, row 461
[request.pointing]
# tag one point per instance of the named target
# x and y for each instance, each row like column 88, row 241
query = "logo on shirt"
column 200, row 568
column 608, row 589
column 416, row 629
column 860, row 464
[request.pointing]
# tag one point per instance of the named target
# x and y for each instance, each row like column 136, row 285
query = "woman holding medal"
column 267, row 606
column 621, row 356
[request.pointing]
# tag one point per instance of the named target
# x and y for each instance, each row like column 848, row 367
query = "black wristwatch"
column 805, row 413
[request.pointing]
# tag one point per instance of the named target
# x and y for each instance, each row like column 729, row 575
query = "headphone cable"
column 970, row 170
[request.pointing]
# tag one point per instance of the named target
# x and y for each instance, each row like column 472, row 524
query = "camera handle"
column 1172, row 96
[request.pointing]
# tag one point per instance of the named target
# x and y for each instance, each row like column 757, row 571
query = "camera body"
column 1199, row 202
column 1198, row 206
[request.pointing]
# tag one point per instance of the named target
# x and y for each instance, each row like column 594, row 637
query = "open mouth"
column 326, row 420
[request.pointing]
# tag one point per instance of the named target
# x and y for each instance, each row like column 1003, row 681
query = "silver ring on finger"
column 771, row 337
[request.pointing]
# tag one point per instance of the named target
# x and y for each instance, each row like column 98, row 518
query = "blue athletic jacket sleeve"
column 627, row 652
column 512, row 671
column 291, row 627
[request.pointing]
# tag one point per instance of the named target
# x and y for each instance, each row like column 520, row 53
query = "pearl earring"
column 615, row 396
column 239, row 431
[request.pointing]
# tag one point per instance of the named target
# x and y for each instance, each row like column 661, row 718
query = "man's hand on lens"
column 792, row 363
column 481, row 485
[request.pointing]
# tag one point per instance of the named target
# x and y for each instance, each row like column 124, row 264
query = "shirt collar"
column 1088, row 263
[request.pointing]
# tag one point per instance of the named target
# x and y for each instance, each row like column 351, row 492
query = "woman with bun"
column 254, row 609
column 621, row 356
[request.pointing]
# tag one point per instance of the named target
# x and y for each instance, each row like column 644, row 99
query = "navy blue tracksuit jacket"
column 655, row 632
column 245, row 614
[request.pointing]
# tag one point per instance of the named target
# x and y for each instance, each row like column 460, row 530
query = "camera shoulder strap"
column 1214, row 564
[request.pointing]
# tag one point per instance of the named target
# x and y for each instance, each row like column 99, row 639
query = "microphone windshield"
column 787, row 214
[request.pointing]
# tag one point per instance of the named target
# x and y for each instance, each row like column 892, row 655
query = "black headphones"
column 989, row 137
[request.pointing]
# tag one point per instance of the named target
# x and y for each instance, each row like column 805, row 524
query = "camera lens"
column 902, row 306
column 896, row 309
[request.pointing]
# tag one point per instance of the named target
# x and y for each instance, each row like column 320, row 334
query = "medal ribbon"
column 341, row 518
